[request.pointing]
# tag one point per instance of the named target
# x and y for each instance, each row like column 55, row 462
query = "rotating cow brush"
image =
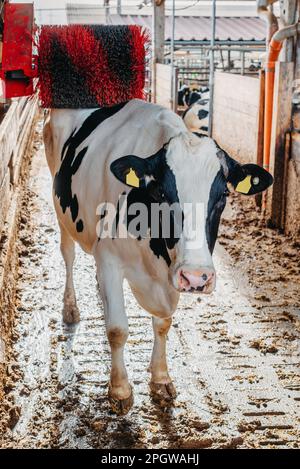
column 87, row 66
column 77, row 66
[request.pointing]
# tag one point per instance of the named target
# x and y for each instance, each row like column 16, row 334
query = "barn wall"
column 164, row 85
column 292, row 225
column 280, row 141
column 14, row 133
column 292, row 207
column 236, row 115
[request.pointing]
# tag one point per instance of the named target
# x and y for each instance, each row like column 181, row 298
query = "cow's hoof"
column 162, row 394
column 120, row 406
column 71, row 314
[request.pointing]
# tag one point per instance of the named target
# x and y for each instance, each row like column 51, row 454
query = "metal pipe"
column 173, row 91
column 273, row 55
column 106, row 6
column 158, row 36
column 243, row 63
column 267, row 14
column 286, row 32
column 119, row 7
column 217, row 43
column 223, row 48
column 212, row 67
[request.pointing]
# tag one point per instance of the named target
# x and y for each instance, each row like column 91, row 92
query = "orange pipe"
column 273, row 54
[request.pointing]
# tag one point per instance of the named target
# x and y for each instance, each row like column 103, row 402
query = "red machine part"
column 18, row 70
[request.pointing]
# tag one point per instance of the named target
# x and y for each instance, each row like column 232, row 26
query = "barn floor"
column 234, row 355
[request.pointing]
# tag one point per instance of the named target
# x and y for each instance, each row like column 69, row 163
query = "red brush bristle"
column 139, row 41
column 85, row 66
column 45, row 80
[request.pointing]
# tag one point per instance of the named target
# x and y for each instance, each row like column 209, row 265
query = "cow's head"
column 193, row 174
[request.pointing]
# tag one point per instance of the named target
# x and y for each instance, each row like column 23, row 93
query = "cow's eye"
column 226, row 192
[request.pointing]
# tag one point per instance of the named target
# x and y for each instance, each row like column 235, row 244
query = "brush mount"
column 18, row 67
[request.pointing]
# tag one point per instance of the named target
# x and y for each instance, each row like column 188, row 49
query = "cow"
column 196, row 94
column 196, row 116
column 143, row 153
column 183, row 95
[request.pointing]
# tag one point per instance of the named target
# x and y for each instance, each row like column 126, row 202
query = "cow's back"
column 136, row 128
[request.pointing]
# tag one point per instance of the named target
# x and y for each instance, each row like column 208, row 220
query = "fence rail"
column 15, row 132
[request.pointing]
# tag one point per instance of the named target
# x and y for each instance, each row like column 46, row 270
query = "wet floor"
column 234, row 359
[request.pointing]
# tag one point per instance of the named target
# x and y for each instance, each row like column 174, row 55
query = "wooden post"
column 282, row 121
column 228, row 60
column 212, row 68
column 288, row 14
column 282, row 114
column 287, row 154
column 173, row 77
column 175, row 96
column 292, row 199
column 260, row 136
column 260, row 132
column 243, row 63
column 158, row 40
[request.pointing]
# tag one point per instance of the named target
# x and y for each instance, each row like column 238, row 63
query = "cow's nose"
column 196, row 280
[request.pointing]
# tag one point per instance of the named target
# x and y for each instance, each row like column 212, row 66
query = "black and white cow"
column 144, row 153
column 196, row 116
column 196, row 94
column 183, row 95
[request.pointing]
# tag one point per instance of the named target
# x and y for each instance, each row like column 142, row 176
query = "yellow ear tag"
column 244, row 186
column 132, row 179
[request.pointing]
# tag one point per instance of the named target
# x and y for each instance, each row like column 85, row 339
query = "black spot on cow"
column 216, row 205
column 202, row 114
column 194, row 97
column 79, row 226
column 71, row 162
column 159, row 249
column 199, row 135
column 183, row 95
column 203, row 102
column 160, row 190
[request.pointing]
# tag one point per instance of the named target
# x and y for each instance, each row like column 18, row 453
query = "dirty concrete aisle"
column 234, row 360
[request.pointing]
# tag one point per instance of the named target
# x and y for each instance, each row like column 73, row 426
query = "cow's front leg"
column 110, row 284
column 70, row 311
column 161, row 386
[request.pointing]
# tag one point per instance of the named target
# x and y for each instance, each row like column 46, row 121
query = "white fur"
column 195, row 165
column 191, row 118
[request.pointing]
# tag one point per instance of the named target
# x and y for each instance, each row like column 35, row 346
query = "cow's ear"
column 248, row 179
column 131, row 170
column 137, row 172
column 251, row 179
